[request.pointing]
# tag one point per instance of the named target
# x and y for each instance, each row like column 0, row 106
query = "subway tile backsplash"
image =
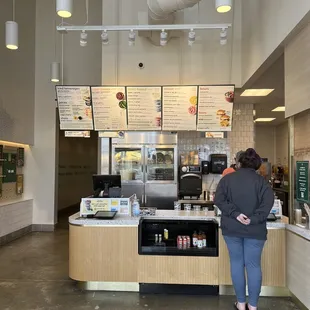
column 241, row 137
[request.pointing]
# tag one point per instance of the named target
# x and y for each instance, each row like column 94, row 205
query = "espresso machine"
column 190, row 181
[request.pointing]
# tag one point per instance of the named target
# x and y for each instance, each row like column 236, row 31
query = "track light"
column 105, row 37
column 191, row 37
column 64, row 8
column 11, row 35
column 55, row 70
column 223, row 37
column 83, row 38
column 223, row 6
column 163, row 38
column 131, row 38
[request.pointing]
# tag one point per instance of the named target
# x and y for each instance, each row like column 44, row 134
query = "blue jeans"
column 245, row 254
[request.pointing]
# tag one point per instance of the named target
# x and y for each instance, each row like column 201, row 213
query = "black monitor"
column 105, row 182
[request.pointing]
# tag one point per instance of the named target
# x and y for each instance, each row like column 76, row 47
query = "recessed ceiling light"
column 257, row 92
column 264, row 119
column 279, row 109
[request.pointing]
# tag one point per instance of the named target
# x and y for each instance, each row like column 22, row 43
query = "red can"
column 184, row 239
column 180, row 242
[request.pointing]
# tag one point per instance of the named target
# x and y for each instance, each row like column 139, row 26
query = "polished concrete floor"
column 34, row 275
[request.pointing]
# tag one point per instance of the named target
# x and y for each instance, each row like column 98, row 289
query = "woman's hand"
column 243, row 219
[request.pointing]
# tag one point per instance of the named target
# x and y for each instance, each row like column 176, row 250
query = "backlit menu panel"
column 215, row 108
column 75, row 108
column 144, row 108
column 179, row 108
column 109, row 105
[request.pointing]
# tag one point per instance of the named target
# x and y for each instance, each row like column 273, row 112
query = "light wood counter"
column 110, row 254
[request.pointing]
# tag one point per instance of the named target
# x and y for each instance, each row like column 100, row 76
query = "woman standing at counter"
column 245, row 199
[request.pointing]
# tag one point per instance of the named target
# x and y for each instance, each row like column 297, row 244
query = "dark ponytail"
column 250, row 159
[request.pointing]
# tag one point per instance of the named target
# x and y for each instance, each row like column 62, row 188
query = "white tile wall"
column 15, row 216
column 240, row 138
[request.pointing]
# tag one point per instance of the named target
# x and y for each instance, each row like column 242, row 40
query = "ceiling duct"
column 162, row 12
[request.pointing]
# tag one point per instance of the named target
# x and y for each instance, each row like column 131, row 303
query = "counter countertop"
column 125, row 220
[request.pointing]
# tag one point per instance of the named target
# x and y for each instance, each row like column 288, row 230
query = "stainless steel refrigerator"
column 147, row 163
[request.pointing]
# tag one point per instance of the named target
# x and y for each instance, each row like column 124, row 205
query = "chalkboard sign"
column 302, row 181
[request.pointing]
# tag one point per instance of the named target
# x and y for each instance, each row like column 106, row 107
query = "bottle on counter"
column 195, row 239
column 166, row 234
column 200, row 241
column 204, row 240
column 136, row 207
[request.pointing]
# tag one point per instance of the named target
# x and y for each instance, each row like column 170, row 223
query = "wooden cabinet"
column 178, row 270
column 103, row 254
column 273, row 260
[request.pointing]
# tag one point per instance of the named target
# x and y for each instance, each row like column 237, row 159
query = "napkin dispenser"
column 218, row 163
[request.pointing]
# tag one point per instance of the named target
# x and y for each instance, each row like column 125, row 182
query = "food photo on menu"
column 193, row 107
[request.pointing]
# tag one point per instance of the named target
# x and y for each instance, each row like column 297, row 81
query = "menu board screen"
column 215, row 108
column 179, row 108
column 144, row 108
column 109, row 106
column 75, row 109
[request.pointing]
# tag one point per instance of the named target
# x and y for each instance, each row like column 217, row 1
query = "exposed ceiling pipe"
column 161, row 10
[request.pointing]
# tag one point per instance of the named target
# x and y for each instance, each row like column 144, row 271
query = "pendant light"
column 223, row 6
column 55, row 72
column 55, row 66
column 11, row 32
column 64, row 8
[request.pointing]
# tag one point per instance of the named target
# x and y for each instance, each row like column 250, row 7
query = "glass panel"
column 128, row 163
column 160, row 164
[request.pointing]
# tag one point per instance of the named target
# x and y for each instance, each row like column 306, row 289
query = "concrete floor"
column 34, row 275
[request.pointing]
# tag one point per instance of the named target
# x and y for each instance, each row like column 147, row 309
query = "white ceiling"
column 273, row 77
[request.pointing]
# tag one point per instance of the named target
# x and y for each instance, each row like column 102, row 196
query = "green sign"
column 302, row 179
column 9, row 168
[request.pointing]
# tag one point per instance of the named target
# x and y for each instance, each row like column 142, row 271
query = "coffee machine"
column 190, row 181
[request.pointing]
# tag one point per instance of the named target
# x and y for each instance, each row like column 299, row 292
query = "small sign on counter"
column 302, row 181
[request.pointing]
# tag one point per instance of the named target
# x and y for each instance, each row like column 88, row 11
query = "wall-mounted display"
column 111, row 134
column 144, row 108
column 215, row 106
column 109, row 108
column 20, row 157
column 19, row 184
column 302, row 181
column 179, row 108
column 1, row 154
column 214, row 135
column 9, row 168
column 75, row 107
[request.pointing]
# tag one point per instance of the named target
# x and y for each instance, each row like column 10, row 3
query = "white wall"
column 297, row 73
column 17, row 75
column 282, row 139
column 265, row 142
column 82, row 66
column 265, row 24
column 206, row 62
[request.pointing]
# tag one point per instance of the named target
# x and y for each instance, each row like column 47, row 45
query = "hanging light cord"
column 87, row 9
column 13, row 11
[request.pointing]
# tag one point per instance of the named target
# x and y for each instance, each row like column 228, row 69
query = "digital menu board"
column 75, row 107
column 109, row 107
column 144, row 108
column 215, row 108
column 179, row 108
